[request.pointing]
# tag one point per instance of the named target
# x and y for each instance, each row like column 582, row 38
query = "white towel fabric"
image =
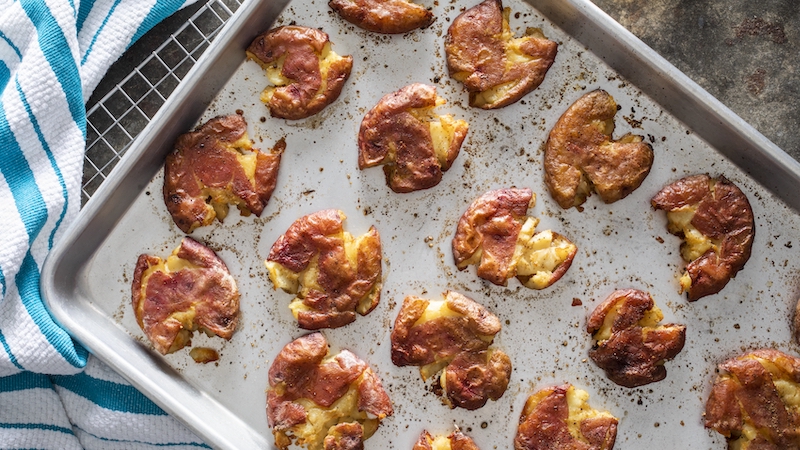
column 53, row 53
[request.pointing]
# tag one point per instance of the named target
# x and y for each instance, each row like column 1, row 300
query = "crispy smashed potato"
column 383, row 16
column 306, row 75
column 496, row 68
column 333, row 274
column 715, row 220
column 216, row 166
column 560, row 418
column 325, row 401
column 495, row 234
column 414, row 145
column 203, row 355
column 454, row 441
column 581, row 156
column 191, row 290
column 754, row 401
column 796, row 322
column 452, row 337
column 629, row 343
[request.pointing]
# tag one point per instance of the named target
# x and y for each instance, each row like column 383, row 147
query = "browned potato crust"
column 472, row 378
column 414, row 145
column 383, row 16
column 796, row 322
column 716, row 222
column 628, row 342
column 454, row 441
column 203, row 355
column 452, row 336
column 345, row 436
column 496, row 68
column 581, row 156
column 333, row 274
column 495, row 234
column 548, row 422
column 322, row 401
column 214, row 166
column 753, row 401
column 307, row 75
column 189, row 291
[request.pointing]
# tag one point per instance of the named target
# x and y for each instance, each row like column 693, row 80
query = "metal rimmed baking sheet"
column 87, row 277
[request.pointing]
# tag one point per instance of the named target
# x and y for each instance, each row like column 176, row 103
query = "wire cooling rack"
column 117, row 118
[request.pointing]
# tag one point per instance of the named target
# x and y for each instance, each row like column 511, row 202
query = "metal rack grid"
column 115, row 121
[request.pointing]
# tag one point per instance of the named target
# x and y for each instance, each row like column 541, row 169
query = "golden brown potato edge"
column 630, row 343
column 311, row 76
column 543, row 423
column 752, row 401
column 215, row 166
column 383, row 16
column 496, row 68
column 189, row 291
column 582, row 157
column 716, row 221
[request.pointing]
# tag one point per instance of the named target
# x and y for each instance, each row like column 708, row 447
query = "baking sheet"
column 543, row 334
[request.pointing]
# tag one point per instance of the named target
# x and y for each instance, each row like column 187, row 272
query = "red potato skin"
column 443, row 337
column 475, row 378
column 473, row 45
column 492, row 224
column 391, row 136
column 633, row 356
column 298, row 372
column 796, row 322
column 383, row 16
column 458, row 441
column 723, row 213
column 475, row 373
column 545, row 427
column 752, row 393
column 201, row 160
column 490, row 227
column 345, row 436
column 301, row 46
column 576, row 147
column 209, row 289
column 316, row 235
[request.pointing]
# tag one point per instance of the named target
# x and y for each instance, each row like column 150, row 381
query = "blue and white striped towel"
column 53, row 394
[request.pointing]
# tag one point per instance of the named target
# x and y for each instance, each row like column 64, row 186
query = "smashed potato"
column 629, row 344
column 306, row 75
column 414, row 145
column 715, row 220
column 321, row 401
column 216, row 166
column 383, row 16
column 454, row 441
column 495, row 234
column 496, row 68
column 189, row 291
column 333, row 273
column 754, row 401
column 581, row 156
column 560, row 418
column 452, row 337
column 796, row 322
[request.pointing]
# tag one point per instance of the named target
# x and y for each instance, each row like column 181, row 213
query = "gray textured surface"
column 745, row 53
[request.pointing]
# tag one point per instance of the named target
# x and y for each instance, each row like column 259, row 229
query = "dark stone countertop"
column 745, row 53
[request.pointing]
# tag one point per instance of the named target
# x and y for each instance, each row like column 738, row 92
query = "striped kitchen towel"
column 53, row 54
